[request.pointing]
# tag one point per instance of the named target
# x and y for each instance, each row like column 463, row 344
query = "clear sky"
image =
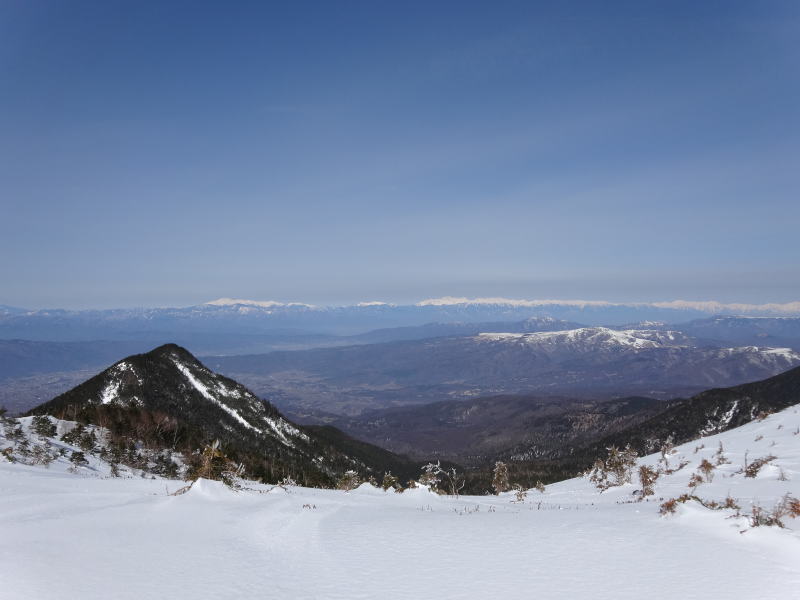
column 168, row 153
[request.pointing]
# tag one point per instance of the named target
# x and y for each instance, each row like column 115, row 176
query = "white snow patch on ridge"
column 110, row 392
column 259, row 303
column 280, row 427
column 786, row 353
column 200, row 387
column 602, row 335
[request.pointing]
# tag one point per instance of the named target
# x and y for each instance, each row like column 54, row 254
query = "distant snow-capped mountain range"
column 252, row 317
column 708, row 306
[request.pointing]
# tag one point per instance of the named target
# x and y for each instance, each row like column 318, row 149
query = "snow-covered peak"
column 591, row 337
column 255, row 303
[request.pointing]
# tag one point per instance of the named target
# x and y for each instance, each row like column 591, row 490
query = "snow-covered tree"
column 348, row 481
column 43, row 426
column 389, row 481
column 615, row 470
column 500, row 482
column 431, row 475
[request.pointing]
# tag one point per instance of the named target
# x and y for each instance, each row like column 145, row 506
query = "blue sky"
column 168, row 153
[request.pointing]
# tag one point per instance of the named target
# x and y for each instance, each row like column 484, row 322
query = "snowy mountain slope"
column 84, row 536
column 83, row 449
column 136, row 395
column 715, row 411
column 592, row 339
column 170, row 379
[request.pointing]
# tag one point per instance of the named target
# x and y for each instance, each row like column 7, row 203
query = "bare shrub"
column 719, row 456
column 792, row 506
column 8, row 454
column 447, row 481
column 669, row 507
column 615, row 470
column 695, row 480
column 520, row 493
column 752, row 469
column 707, row 469
column 431, row 475
column 785, row 507
column 647, row 477
column 730, row 503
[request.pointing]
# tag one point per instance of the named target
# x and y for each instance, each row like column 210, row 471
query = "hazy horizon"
column 172, row 153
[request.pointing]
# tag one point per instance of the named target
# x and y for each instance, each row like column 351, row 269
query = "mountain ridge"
column 169, row 385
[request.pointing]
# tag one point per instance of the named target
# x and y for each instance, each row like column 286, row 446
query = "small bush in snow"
column 539, row 487
column 647, row 477
column 667, row 450
column 430, row 475
column 520, row 493
column 232, row 474
column 707, row 469
column 615, row 470
column 760, row 516
column 792, row 506
column 669, row 507
column 14, row 433
column 23, row 447
column 72, row 436
column 719, row 456
column 446, row 481
column 500, row 482
column 287, row 482
column 41, row 455
column 752, row 469
column 389, row 481
column 348, row 481
column 695, row 480
column 43, row 426
column 78, row 459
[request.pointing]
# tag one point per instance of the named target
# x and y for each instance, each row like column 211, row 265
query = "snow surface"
column 86, row 536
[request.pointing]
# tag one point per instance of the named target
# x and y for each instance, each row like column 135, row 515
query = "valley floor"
column 84, row 536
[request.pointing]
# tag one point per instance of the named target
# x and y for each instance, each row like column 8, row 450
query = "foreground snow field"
column 84, row 535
